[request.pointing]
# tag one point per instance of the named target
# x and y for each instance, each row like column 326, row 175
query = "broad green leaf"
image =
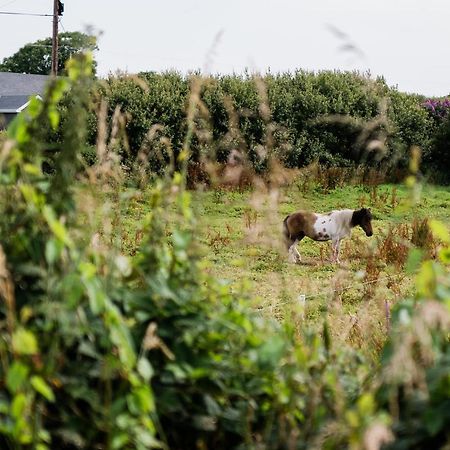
column 87, row 269
column 145, row 369
column 177, row 178
column 180, row 239
column 53, row 116
column 29, row 194
column 34, row 107
column 18, row 405
column 17, row 374
column 140, row 401
column 444, row 255
column 440, row 231
column 414, row 258
column 73, row 289
column 426, row 279
column 147, row 439
column 120, row 441
column 42, row 447
column 18, row 129
column 24, row 342
column 31, row 169
column 58, row 229
column 120, row 335
column 53, row 249
column 42, row 387
column 352, row 418
column 272, row 350
column 96, row 295
column 366, row 405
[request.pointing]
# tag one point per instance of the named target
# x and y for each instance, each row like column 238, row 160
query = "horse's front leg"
column 335, row 249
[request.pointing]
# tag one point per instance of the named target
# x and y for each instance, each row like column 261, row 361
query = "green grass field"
column 240, row 233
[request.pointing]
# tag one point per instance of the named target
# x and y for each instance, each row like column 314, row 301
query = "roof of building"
column 14, row 84
column 13, row 103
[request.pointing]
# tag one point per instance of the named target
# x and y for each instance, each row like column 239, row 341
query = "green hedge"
column 329, row 117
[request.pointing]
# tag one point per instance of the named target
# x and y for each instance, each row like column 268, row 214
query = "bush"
column 437, row 157
column 334, row 118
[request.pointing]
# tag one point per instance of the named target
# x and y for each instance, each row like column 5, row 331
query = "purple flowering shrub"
column 438, row 109
column 437, row 159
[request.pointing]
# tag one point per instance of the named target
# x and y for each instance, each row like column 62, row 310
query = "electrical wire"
column 10, row 13
column 62, row 26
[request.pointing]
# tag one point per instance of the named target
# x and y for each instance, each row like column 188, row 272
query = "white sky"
column 406, row 41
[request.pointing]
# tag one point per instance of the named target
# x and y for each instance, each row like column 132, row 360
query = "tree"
column 36, row 57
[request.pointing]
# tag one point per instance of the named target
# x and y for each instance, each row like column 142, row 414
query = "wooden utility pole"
column 55, row 39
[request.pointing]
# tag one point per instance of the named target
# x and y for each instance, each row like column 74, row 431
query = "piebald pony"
column 333, row 226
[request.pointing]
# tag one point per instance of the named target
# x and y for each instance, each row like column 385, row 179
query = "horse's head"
column 363, row 218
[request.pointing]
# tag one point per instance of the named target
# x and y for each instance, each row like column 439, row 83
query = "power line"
column 9, row 13
column 49, row 46
column 62, row 26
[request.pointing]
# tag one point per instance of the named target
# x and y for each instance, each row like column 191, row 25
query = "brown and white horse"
column 333, row 226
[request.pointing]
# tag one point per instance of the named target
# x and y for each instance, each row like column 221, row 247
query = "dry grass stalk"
column 7, row 291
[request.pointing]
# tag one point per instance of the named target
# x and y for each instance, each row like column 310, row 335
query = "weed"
column 250, row 217
column 393, row 247
column 394, row 200
column 216, row 240
column 422, row 237
column 371, row 276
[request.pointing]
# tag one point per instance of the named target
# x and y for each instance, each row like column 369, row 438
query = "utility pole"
column 58, row 9
column 55, row 39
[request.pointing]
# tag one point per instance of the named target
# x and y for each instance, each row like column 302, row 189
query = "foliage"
column 71, row 375
column 413, row 127
column 416, row 360
column 438, row 110
column 335, row 118
column 36, row 57
column 103, row 350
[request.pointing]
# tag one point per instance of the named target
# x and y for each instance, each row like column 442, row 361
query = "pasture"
column 241, row 243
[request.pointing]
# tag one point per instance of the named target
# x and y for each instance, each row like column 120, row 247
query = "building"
column 15, row 92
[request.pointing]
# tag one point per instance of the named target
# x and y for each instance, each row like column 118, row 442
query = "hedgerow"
column 334, row 118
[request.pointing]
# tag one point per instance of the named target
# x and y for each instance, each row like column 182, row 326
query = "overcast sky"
column 406, row 41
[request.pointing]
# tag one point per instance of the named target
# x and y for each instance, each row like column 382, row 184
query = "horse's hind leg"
column 294, row 254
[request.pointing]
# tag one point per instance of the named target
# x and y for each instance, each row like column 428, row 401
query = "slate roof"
column 22, row 84
column 13, row 103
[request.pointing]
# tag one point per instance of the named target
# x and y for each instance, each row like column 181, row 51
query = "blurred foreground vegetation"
column 111, row 349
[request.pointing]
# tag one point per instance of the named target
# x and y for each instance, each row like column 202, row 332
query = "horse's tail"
column 286, row 233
